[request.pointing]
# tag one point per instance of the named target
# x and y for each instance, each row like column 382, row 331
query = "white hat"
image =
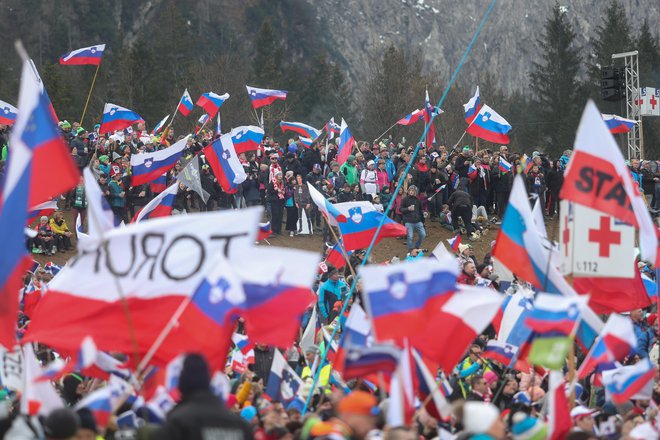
column 581, row 411
column 478, row 417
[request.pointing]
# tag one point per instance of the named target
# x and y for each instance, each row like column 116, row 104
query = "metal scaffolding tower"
column 633, row 110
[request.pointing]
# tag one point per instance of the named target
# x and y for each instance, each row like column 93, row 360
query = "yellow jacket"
column 58, row 229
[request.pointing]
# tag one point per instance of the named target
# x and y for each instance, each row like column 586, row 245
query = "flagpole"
column 386, row 131
column 89, row 95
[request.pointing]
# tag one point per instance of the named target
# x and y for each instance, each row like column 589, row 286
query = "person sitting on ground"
column 45, row 241
column 61, row 230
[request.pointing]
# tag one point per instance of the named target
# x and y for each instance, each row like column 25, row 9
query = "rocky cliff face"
column 359, row 30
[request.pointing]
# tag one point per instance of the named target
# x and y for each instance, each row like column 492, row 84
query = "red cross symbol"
column 605, row 237
column 566, row 236
column 653, row 102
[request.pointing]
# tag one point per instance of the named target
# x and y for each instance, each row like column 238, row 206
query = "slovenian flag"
column 224, row 162
column 336, row 256
column 185, row 105
column 617, row 124
column 160, row 206
column 262, row 97
column 346, row 143
column 264, row 231
column 472, row 107
column 413, row 117
column 624, row 383
column 401, row 298
column 158, row 186
column 86, row 56
column 157, row 129
column 504, row 166
column 146, row 167
column 555, row 314
column 211, row 102
column 361, row 223
column 116, row 118
column 7, row 113
column 247, row 138
column 303, row 130
column 490, row 126
column 46, row 208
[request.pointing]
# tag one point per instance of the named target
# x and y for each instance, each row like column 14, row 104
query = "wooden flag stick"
column 89, row 95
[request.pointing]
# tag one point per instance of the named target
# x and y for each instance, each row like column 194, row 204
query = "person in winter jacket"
column 303, row 202
column 554, row 180
column 460, row 204
column 61, row 230
column 200, row 414
column 411, row 210
column 331, row 291
column 118, row 197
column 45, row 241
column 350, row 171
column 369, row 180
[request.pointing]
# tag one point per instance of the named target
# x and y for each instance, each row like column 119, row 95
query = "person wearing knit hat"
column 350, row 171
column 61, row 423
column 525, row 427
column 483, row 419
column 200, row 411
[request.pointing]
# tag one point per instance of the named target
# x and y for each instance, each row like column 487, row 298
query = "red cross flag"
column 599, row 251
column 649, row 101
column 595, row 244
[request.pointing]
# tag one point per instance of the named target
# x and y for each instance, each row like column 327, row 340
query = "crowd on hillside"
column 465, row 191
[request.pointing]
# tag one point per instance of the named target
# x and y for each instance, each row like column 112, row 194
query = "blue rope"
column 396, row 191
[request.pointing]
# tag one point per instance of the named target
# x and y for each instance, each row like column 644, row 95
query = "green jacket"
column 351, row 173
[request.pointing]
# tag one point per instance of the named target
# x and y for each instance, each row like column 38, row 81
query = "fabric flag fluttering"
column 38, row 397
column 159, row 127
column 461, row 319
column 332, row 129
column 7, row 113
column 472, row 107
column 147, row 167
column 519, row 246
column 624, row 383
column 247, row 138
column 598, row 178
column 34, row 133
column 46, row 208
column 159, row 206
column 211, row 102
column 504, row 166
column 116, row 117
column 411, row 118
column 401, row 298
column 101, row 216
column 224, row 162
column 329, row 211
column 185, row 104
column 559, row 417
column 346, row 143
column 261, row 97
column 278, row 293
column 362, row 221
column 91, row 55
column 189, row 176
column 615, row 342
column 617, row 124
column 81, row 303
column 284, row 384
column 301, row 129
column 489, row 126
column 429, row 112
column 454, row 242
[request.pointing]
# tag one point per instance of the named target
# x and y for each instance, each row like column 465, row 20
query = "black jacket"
column 203, row 416
column 459, row 198
column 414, row 216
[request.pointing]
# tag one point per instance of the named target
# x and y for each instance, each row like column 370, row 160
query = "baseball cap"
column 358, row 403
column 582, row 411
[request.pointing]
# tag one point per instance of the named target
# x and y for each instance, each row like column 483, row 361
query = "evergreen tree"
column 612, row 36
column 554, row 81
column 649, row 57
column 268, row 53
column 395, row 89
